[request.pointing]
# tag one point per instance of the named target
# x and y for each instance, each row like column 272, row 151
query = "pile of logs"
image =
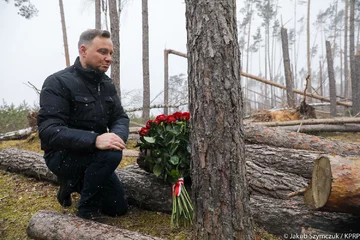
column 278, row 162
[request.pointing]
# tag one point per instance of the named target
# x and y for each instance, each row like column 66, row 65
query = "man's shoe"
column 64, row 194
column 94, row 216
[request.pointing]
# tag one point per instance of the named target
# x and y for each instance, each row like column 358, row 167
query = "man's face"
column 97, row 55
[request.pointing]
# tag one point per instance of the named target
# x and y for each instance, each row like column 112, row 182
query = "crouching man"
column 83, row 130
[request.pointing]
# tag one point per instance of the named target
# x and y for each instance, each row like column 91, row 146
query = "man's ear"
column 82, row 50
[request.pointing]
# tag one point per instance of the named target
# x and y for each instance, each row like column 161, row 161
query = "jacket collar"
column 91, row 76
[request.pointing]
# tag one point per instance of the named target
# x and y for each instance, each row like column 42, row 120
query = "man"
column 83, row 129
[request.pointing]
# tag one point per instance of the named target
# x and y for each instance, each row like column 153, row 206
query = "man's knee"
column 110, row 158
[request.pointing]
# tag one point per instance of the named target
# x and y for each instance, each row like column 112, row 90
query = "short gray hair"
column 89, row 35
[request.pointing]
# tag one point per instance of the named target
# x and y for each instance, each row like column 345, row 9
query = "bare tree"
column 309, row 84
column 220, row 190
column 346, row 68
column 332, row 84
column 115, row 37
column 145, row 61
column 63, row 25
column 352, row 53
column 287, row 70
column 97, row 14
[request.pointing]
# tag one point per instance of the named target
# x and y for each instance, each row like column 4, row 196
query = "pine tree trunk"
column 145, row 59
column 98, row 14
column 46, row 224
column 220, row 197
column 115, row 37
column 356, row 85
column 352, row 54
column 309, row 88
column 332, row 84
column 346, row 61
column 288, row 75
column 63, row 25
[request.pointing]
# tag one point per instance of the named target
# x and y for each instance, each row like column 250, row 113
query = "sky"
column 33, row 49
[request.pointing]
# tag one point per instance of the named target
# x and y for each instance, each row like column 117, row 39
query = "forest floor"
column 21, row 197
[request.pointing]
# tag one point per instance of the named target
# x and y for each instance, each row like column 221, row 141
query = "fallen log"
column 309, row 122
column 268, row 181
column 56, row 226
column 335, row 185
column 323, row 128
column 257, row 134
column 16, row 135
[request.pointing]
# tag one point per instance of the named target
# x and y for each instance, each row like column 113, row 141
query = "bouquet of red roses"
column 166, row 139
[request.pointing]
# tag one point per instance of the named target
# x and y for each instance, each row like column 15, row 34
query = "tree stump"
column 335, row 185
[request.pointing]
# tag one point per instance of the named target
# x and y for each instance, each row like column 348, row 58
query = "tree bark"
column 145, row 62
column 281, row 138
column 352, row 53
column 323, row 128
column 221, row 197
column 288, row 75
column 332, row 84
column 309, row 85
column 63, row 25
column 46, row 224
column 115, row 37
column 272, row 173
column 98, row 14
column 356, row 86
column 335, row 185
column 346, row 68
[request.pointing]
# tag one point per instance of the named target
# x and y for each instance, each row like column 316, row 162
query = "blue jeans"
column 100, row 188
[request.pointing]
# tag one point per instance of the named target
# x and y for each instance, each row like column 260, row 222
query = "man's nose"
column 108, row 58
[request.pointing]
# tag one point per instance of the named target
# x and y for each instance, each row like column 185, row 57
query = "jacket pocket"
column 84, row 108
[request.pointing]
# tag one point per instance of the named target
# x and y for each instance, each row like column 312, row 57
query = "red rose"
column 177, row 115
column 143, row 131
column 161, row 118
column 156, row 122
column 185, row 116
column 148, row 124
column 171, row 119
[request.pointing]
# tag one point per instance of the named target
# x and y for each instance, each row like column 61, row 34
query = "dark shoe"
column 94, row 216
column 64, row 194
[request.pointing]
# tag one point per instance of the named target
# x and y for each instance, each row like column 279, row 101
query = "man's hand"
column 110, row 141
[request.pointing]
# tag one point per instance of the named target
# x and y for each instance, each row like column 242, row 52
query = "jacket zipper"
column 101, row 104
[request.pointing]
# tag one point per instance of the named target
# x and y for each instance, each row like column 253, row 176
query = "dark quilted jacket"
column 77, row 105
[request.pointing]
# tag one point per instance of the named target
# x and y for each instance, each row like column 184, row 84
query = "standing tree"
column 63, row 25
column 346, row 68
column 309, row 84
column 145, row 61
column 26, row 8
column 220, row 190
column 332, row 83
column 97, row 14
column 115, row 37
column 287, row 70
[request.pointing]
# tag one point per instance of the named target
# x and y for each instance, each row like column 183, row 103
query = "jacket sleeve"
column 53, row 120
column 119, row 121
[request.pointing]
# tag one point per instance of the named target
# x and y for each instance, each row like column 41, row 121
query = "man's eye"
column 104, row 52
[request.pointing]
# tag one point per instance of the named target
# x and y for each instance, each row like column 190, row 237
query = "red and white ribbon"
column 176, row 188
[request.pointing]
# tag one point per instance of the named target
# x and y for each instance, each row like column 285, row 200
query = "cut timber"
column 57, row 226
column 323, row 128
column 281, row 138
column 272, row 173
column 309, row 122
column 335, row 185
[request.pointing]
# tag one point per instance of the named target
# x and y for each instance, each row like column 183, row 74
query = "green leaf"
column 157, row 170
column 149, row 139
column 174, row 160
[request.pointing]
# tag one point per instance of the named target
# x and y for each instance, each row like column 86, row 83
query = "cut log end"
column 321, row 181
